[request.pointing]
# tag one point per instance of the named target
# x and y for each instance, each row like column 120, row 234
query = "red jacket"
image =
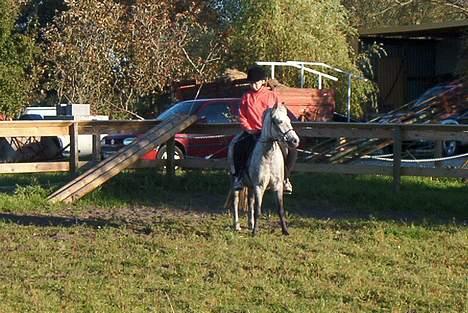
column 253, row 105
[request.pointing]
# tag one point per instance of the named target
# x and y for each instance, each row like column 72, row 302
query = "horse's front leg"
column 235, row 210
column 258, row 195
column 280, row 207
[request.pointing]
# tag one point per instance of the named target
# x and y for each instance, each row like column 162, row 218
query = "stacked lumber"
column 105, row 170
column 431, row 111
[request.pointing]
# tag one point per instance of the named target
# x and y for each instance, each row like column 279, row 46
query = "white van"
column 81, row 111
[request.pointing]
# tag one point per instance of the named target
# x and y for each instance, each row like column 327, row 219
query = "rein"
column 283, row 134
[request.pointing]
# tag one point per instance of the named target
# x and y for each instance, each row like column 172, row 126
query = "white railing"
column 304, row 67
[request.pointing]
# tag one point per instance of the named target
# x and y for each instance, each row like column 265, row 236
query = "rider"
column 253, row 104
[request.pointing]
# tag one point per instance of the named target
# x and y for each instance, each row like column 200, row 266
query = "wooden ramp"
column 105, row 170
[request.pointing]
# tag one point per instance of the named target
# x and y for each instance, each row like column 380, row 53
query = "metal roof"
column 435, row 30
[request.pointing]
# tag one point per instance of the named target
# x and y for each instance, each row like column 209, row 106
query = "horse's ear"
column 275, row 106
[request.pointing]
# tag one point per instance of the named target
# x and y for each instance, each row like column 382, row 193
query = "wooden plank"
column 114, row 165
column 120, row 156
column 36, row 167
column 103, row 176
column 343, row 169
column 440, row 134
column 116, row 126
column 26, row 129
column 352, row 130
column 203, row 163
column 107, row 164
column 146, row 164
column 342, row 132
column 314, row 129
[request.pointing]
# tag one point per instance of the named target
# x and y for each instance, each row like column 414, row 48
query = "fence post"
column 438, row 153
column 170, row 164
column 73, row 131
column 96, row 147
column 396, row 158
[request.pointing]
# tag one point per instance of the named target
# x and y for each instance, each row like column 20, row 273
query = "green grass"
column 143, row 244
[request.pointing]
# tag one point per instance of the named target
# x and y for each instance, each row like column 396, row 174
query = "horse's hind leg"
column 251, row 199
column 280, row 206
column 235, row 210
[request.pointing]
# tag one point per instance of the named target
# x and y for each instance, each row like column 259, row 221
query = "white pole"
column 319, row 81
column 272, row 71
column 302, row 76
column 348, row 105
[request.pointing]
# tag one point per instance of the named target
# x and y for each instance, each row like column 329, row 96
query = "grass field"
column 145, row 244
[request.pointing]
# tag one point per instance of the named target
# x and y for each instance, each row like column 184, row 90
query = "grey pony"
column 266, row 167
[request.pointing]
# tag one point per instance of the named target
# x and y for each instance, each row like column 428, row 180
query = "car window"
column 184, row 107
column 216, row 113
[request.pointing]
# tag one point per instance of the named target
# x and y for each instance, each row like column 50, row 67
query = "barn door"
column 392, row 76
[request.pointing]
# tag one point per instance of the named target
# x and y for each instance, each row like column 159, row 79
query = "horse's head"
column 280, row 127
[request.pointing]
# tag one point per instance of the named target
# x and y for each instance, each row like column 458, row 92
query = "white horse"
column 266, row 167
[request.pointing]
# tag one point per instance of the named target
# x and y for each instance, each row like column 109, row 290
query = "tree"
column 16, row 55
column 114, row 54
column 375, row 13
column 304, row 30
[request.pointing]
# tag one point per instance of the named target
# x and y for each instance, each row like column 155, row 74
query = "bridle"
column 283, row 137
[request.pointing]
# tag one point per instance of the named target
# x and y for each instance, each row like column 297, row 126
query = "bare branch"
column 396, row 4
column 124, row 110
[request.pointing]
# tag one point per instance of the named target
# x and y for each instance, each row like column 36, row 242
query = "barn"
column 417, row 58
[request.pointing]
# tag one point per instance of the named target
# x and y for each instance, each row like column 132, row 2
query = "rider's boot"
column 237, row 184
column 287, row 188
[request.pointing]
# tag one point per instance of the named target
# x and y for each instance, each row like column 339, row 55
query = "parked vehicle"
column 223, row 110
column 209, row 111
column 453, row 147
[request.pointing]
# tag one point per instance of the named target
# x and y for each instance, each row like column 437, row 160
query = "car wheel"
column 450, row 147
column 178, row 154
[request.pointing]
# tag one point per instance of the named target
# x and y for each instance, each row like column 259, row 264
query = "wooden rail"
column 396, row 132
column 108, row 168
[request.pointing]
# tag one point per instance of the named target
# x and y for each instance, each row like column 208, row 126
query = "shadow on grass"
column 320, row 196
column 54, row 221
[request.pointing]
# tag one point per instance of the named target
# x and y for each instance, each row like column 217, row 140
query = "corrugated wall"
column 406, row 72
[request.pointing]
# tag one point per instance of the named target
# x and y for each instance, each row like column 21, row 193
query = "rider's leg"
column 239, row 159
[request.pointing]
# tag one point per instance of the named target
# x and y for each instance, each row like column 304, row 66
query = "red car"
column 224, row 110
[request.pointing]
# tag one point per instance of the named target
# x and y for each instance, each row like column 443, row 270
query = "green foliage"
column 16, row 56
column 313, row 31
column 291, row 30
column 376, row 13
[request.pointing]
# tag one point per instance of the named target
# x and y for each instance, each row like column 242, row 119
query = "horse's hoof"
column 237, row 228
column 285, row 232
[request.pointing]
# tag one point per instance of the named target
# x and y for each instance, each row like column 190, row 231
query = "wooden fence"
column 397, row 132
